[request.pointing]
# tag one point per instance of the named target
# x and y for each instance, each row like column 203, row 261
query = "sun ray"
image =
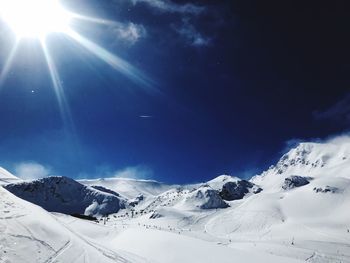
column 37, row 20
column 114, row 61
column 8, row 63
column 93, row 19
column 58, row 89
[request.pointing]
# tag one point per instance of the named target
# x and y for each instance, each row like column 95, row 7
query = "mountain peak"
column 219, row 181
column 310, row 159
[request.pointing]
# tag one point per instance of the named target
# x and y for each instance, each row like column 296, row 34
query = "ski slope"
column 28, row 233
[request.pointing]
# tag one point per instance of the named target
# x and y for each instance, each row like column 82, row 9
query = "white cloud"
column 130, row 172
column 171, row 7
column 31, row 170
column 339, row 139
column 129, row 32
column 134, row 172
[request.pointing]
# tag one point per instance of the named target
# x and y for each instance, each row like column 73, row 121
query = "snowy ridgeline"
column 305, row 164
column 296, row 211
column 64, row 195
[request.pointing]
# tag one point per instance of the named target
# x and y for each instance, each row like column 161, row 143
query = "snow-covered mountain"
column 64, row 195
column 309, row 160
column 151, row 195
column 205, row 197
column 296, row 211
column 130, row 188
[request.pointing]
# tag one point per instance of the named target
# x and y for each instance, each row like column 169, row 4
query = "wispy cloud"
column 171, row 7
column 192, row 35
column 338, row 139
column 340, row 111
column 130, row 172
column 31, row 170
column 128, row 32
column 186, row 14
column 134, row 172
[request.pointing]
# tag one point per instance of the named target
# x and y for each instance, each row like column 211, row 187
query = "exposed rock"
column 237, row 190
column 155, row 215
column 295, row 181
column 326, row 189
column 134, row 202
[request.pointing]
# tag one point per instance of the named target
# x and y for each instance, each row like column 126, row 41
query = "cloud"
column 192, row 35
column 338, row 139
column 31, row 170
column 171, row 7
column 339, row 112
column 130, row 172
column 134, row 172
column 129, row 32
column 184, row 13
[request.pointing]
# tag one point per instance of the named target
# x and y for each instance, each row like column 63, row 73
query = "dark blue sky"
column 232, row 82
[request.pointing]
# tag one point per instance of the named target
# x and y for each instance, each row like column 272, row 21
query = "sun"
column 34, row 18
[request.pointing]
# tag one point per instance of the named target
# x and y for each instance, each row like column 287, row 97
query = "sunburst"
column 37, row 19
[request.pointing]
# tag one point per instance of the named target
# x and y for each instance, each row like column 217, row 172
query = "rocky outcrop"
column 237, row 190
column 134, row 202
column 295, row 181
column 326, row 189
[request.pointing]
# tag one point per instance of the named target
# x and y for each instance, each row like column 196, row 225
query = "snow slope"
column 30, row 234
column 6, row 177
column 305, row 221
column 174, row 248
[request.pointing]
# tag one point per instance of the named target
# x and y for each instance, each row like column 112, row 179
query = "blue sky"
column 224, row 86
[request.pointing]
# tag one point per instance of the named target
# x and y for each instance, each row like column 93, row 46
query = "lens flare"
column 34, row 18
